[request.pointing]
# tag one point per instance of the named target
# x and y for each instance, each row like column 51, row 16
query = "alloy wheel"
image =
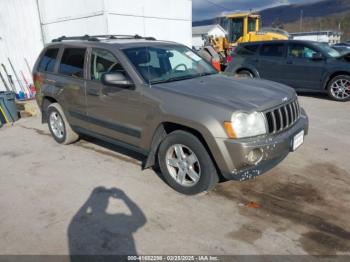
column 340, row 89
column 56, row 124
column 183, row 165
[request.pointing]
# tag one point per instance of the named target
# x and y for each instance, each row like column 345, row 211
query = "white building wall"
column 197, row 41
column 27, row 24
column 325, row 38
column 166, row 20
column 20, row 37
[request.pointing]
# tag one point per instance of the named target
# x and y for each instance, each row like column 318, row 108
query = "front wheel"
column 339, row 88
column 185, row 164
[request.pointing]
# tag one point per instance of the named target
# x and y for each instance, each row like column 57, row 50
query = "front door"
column 112, row 111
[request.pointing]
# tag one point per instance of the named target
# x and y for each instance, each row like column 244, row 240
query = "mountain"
column 292, row 13
column 322, row 15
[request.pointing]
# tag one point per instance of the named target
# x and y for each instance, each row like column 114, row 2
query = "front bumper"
column 274, row 148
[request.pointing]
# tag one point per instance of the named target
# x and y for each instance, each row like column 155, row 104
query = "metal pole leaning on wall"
column 4, row 82
column 29, row 70
column 17, row 78
column 9, row 78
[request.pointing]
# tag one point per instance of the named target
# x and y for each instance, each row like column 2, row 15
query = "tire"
column 62, row 133
column 194, row 158
column 245, row 74
column 339, row 88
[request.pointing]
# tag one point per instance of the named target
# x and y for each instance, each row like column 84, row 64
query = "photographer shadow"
column 93, row 231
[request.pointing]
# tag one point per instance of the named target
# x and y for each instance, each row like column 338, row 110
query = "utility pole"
column 301, row 20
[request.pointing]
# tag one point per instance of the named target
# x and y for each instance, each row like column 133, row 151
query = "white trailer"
column 27, row 25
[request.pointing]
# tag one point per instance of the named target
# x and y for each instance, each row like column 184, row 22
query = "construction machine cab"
column 240, row 25
column 245, row 27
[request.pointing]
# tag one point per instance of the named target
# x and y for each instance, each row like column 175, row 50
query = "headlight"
column 246, row 125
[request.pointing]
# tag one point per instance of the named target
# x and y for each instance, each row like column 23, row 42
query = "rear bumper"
column 273, row 149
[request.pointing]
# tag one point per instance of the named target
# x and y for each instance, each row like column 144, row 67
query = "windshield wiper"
column 173, row 79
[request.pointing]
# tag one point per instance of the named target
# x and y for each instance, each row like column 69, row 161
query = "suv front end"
column 283, row 132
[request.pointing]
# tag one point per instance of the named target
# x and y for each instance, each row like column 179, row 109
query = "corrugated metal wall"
column 25, row 22
column 20, row 37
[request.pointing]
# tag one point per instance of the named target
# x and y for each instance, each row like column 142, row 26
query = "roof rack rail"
column 99, row 37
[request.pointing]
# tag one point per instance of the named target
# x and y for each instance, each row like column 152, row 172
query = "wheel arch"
column 46, row 101
column 254, row 72
column 333, row 75
column 166, row 128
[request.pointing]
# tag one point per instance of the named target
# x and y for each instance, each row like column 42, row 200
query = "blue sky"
column 205, row 9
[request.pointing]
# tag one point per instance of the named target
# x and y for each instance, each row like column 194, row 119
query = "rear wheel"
column 185, row 164
column 59, row 126
column 245, row 74
column 339, row 88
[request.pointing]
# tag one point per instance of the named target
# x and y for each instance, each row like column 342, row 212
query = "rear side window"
column 247, row 50
column 48, row 61
column 72, row 62
column 276, row 50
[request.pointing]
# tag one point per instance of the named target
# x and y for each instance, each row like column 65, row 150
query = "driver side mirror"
column 317, row 57
column 116, row 79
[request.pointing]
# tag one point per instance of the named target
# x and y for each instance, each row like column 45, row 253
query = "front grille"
column 281, row 118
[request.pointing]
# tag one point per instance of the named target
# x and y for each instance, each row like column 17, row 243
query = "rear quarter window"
column 275, row 50
column 247, row 50
column 72, row 62
column 48, row 60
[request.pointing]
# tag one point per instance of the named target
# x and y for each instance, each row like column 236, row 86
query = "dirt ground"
column 93, row 198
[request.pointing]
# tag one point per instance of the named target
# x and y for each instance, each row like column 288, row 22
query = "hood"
column 345, row 56
column 237, row 93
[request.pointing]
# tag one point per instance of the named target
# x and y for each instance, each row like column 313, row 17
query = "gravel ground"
column 93, row 198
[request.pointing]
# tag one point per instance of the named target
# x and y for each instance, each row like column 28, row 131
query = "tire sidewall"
column 245, row 74
column 50, row 110
column 330, row 85
column 208, row 176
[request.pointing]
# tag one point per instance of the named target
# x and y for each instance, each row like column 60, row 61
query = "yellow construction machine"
column 245, row 27
column 241, row 28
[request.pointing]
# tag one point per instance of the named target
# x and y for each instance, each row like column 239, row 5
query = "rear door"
column 71, row 85
column 302, row 71
column 271, row 57
column 113, row 111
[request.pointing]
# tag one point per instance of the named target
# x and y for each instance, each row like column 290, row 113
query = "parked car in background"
column 342, row 48
column 303, row 65
column 164, row 101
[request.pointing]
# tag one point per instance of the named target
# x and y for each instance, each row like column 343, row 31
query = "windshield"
column 168, row 63
column 331, row 52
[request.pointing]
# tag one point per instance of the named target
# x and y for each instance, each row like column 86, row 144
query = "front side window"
column 275, row 50
column 103, row 61
column 236, row 29
column 72, row 62
column 48, row 61
column 300, row 51
column 167, row 63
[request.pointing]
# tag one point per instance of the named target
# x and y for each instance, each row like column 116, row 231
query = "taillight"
column 216, row 64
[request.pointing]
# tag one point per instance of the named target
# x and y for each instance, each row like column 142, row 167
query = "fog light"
column 255, row 156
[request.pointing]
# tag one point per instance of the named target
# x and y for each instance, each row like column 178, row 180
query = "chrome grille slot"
column 282, row 117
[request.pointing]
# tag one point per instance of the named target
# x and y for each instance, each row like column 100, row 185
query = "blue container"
column 8, row 105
